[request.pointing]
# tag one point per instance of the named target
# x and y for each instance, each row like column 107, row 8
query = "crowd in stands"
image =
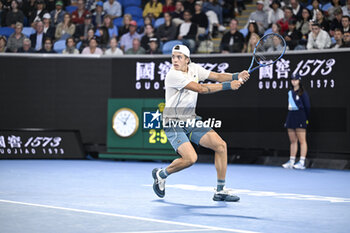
column 117, row 27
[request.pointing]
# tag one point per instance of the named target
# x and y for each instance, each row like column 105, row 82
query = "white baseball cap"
column 181, row 49
column 47, row 16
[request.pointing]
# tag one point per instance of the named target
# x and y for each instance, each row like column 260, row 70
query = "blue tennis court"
column 115, row 197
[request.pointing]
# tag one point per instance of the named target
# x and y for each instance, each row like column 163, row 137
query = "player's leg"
column 293, row 148
column 188, row 157
column 301, row 134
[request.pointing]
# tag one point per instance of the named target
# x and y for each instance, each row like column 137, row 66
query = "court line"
column 168, row 231
column 127, row 216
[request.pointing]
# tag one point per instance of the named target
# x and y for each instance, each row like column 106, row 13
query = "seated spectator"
column 187, row 32
column 38, row 37
column 297, row 9
column 338, row 37
column 189, row 5
column 167, row 31
column 48, row 46
column 98, row 15
column 86, row 40
column 57, row 14
column 15, row 41
column 127, row 18
column 49, row 30
column 345, row 23
column 65, row 29
column 322, row 21
column 254, row 38
column 114, row 50
column 168, row 6
column 146, row 21
column 292, row 36
column 276, row 13
column 336, row 22
column 233, row 40
column 318, row 38
column 136, row 47
column 153, row 9
column 149, row 33
column 126, row 40
column 3, row 42
column 214, row 13
column 14, row 15
column 38, row 13
column 91, row 5
column 200, row 18
column 177, row 14
column 81, row 30
column 276, row 45
column 108, row 23
column 103, row 38
column 92, row 48
column 346, row 9
column 70, row 47
column 304, row 25
column 26, row 47
column 113, row 8
column 335, row 5
column 153, row 47
column 260, row 17
column 79, row 14
column 28, row 8
column 288, row 15
column 252, row 28
column 346, row 40
column 315, row 6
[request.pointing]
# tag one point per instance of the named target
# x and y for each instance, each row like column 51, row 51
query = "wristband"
column 235, row 76
column 226, row 86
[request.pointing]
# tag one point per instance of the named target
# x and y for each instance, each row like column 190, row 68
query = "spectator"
column 254, row 38
column 338, row 37
column 114, row 50
column 38, row 37
column 146, row 21
column 92, row 48
column 91, row 5
column 168, row 6
column 252, row 28
column 65, row 29
column 153, row 9
column 103, row 37
column 98, row 15
column 336, row 23
column 200, row 18
column 2, row 15
column 346, row 40
column 48, row 46
column 335, row 5
column 29, row 8
column 177, row 14
column 315, row 6
column 322, row 21
column 108, row 23
column 149, row 33
column 345, row 22
column 318, row 38
column 38, row 13
column 153, row 46
column 276, row 45
column 57, row 14
column 346, row 9
column 136, row 47
column 127, row 18
column 50, row 5
column 288, row 15
column 126, row 39
column 187, row 32
column 26, row 47
column 214, row 13
column 79, row 14
column 260, row 17
column 233, row 40
column 3, row 42
column 81, row 30
column 15, row 41
column 85, row 41
column 276, row 13
column 49, row 30
column 70, row 47
column 297, row 9
column 189, row 5
column 113, row 8
column 167, row 31
column 304, row 25
column 292, row 36
column 15, row 15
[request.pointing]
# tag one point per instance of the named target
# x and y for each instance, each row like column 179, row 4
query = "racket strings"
column 269, row 49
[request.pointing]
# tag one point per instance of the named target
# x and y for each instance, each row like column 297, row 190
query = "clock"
column 125, row 122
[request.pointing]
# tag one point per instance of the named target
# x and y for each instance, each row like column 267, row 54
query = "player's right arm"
column 211, row 88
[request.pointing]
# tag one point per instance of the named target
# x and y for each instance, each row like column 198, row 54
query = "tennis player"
column 181, row 91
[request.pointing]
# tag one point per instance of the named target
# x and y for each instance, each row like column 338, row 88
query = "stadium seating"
column 6, row 31
column 168, row 46
column 59, row 46
column 27, row 31
column 135, row 11
column 129, row 3
column 70, row 9
column 244, row 31
column 118, row 22
column 159, row 22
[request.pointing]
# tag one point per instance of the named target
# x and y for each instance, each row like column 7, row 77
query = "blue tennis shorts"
column 178, row 135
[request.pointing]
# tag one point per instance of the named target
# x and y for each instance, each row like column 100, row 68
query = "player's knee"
column 221, row 146
column 191, row 160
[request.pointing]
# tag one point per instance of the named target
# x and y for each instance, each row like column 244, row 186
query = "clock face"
column 125, row 122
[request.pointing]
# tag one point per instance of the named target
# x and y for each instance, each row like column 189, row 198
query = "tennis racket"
column 269, row 49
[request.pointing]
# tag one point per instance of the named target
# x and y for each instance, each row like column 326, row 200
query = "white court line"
column 193, row 230
column 129, row 217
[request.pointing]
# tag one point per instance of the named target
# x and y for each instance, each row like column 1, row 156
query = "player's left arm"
column 224, row 77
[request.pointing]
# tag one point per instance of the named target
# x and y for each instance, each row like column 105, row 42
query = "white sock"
column 302, row 161
column 292, row 160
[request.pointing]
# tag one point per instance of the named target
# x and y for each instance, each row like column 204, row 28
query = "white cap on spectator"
column 181, row 49
column 47, row 16
column 260, row 2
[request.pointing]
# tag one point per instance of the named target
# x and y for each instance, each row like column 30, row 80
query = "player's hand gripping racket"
column 269, row 49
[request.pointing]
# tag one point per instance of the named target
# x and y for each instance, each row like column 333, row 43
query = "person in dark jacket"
column 292, row 36
column 233, row 40
column 167, row 31
column 297, row 121
column 187, row 31
column 48, row 46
